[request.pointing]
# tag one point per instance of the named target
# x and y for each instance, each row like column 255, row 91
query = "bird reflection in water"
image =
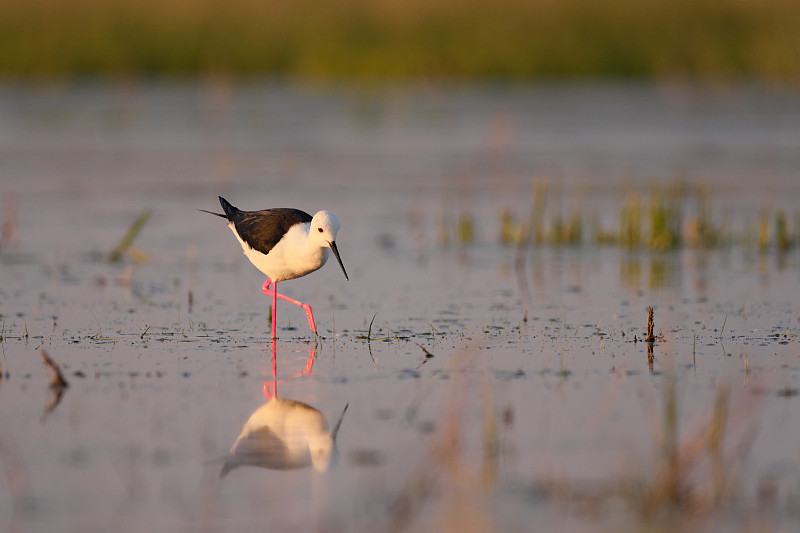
column 285, row 434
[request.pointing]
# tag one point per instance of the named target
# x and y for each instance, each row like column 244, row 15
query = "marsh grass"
column 126, row 243
column 701, row 232
column 380, row 38
column 775, row 232
column 532, row 230
column 466, row 229
column 569, row 231
column 663, row 230
column 509, row 231
column 599, row 235
column 664, row 215
column 630, row 222
column 670, row 216
column 783, row 238
column 763, row 230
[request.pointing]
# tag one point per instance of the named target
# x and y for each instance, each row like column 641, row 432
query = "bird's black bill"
column 339, row 422
column 336, row 253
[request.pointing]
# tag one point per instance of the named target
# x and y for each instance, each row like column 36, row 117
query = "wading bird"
column 284, row 244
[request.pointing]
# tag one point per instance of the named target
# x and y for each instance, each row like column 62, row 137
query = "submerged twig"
column 369, row 330
column 650, row 339
column 428, row 354
column 650, row 324
column 126, row 242
column 369, row 339
column 57, row 381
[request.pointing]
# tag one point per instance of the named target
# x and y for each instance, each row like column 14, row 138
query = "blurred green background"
column 403, row 38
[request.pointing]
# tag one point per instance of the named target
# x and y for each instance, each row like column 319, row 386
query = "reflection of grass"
column 416, row 37
column 691, row 483
column 450, row 489
column 682, row 492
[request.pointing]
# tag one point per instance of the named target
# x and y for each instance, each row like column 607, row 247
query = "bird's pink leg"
column 312, row 356
column 275, row 294
column 274, row 311
column 271, row 389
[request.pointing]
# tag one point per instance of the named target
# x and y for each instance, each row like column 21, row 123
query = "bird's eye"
column 320, row 230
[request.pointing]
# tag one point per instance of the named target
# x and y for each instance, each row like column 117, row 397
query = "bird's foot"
column 310, row 316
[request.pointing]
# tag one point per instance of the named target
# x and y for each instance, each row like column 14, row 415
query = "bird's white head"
column 323, row 230
column 322, row 450
column 324, row 227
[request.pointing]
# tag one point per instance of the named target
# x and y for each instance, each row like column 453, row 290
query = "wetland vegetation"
column 711, row 39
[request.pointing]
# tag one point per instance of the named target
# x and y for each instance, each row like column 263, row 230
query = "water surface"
column 489, row 393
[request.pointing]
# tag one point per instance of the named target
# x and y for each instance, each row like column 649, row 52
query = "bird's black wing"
column 262, row 230
column 262, row 448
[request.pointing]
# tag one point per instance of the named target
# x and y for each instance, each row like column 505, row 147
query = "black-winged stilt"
column 285, row 434
column 284, row 244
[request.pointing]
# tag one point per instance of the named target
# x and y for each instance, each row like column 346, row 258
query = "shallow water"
column 486, row 395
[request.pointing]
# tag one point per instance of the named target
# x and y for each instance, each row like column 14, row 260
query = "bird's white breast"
column 291, row 258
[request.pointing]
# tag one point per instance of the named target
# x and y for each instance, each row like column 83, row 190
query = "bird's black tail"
column 213, row 213
column 230, row 211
